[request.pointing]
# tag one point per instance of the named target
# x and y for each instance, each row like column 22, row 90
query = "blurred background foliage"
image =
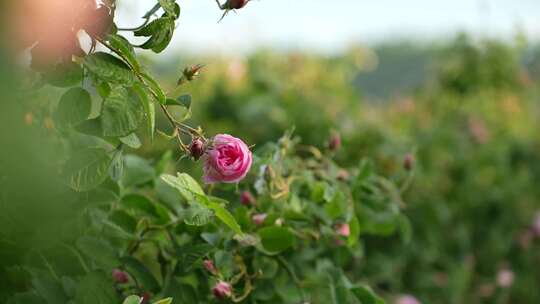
column 469, row 112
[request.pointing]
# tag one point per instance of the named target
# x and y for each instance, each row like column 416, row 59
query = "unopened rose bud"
column 209, row 265
column 120, row 276
column 196, row 148
column 236, row 4
column 343, row 230
column 258, row 219
column 247, row 199
column 145, row 297
column 408, row 162
column 279, row 222
column 334, row 143
column 222, row 290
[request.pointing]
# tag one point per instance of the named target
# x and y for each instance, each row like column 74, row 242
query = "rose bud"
column 228, row 160
column 120, row 276
column 236, row 4
column 334, row 143
column 222, row 290
column 193, row 71
column 408, row 162
column 343, row 230
column 209, row 265
column 342, row 175
column 247, row 199
column 407, row 299
column 258, row 219
column 196, row 148
column 145, row 297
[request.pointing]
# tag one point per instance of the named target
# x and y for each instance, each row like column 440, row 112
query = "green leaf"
column 99, row 251
column 87, row 169
column 124, row 220
column 122, row 46
column 90, row 127
column 47, row 287
column 365, row 295
column 26, row 298
column 354, row 228
column 164, row 301
column 225, row 216
column 191, row 255
column 109, row 68
column 132, row 141
column 160, row 32
column 183, row 101
column 148, row 106
column 137, row 171
column 96, row 288
column 74, row 107
column 141, row 273
column 133, row 299
column 65, row 75
column 155, row 87
column 169, row 6
column 197, row 215
column 116, row 170
column 121, row 113
column 276, row 239
column 138, row 202
column 184, row 183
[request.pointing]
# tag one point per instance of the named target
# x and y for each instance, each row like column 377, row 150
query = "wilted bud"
column 334, row 143
column 343, row 229
column 209, row 265
column 408, row 162
column 196, row 148
column 258, row 219
column 235, row 4
column 247, row 199
column 120, row 276
column 222, row 290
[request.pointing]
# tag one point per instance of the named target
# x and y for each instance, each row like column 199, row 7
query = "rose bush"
column 103, row 224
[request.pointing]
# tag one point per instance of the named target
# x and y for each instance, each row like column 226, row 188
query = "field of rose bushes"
column 271, row 177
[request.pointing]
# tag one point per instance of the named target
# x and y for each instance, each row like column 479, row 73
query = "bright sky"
column 331, row 25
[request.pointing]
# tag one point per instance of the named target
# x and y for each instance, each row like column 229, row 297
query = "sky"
column 333, row 25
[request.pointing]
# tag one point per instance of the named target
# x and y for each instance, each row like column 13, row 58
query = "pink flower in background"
column 120, row 276
column 407, row 299
column 258, row 219
column 343, row 230
column 228, row 160
column 222, row 290
column 209, row 265
column 536, row 224
column 505, row 278
column 247, row 199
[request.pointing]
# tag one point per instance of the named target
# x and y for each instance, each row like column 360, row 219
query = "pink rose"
column 120, row 276
column 227, row 160
column 247, row 199
column 258, row 219
column 343, row 230
column 222, row 290
column 505, row 278
column 407, row 299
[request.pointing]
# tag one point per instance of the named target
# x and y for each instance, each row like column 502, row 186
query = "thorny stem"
column 177, row 126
